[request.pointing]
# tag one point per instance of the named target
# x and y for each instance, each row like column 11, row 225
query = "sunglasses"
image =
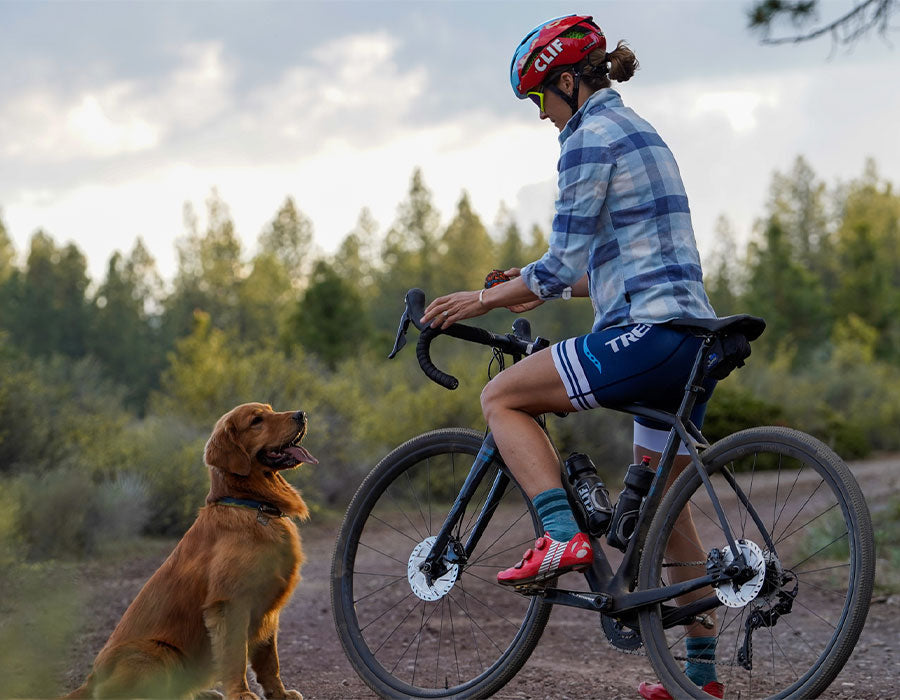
column 537, row 96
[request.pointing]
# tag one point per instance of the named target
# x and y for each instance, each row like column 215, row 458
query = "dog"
column 214, row 603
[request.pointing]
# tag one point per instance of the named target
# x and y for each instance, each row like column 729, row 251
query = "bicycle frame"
column 612, row 592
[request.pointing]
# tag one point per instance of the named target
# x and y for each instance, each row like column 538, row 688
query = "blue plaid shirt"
column 622, row 216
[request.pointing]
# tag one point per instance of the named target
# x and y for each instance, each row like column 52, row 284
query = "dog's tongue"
column 301, row 454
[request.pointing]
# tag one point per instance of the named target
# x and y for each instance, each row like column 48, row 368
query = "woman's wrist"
column 481, row 300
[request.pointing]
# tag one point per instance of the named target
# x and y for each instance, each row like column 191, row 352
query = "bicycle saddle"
column 751, row 327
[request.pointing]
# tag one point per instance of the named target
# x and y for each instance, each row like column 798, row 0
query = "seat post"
column 693, row 388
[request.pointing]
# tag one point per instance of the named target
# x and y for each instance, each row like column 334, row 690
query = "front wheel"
column 800, row 519
column 462, row 636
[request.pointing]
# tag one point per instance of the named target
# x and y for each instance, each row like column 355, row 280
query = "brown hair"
column 622, row 65
column 598, row 67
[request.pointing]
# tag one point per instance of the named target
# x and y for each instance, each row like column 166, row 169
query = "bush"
column 733, row 408
column 63, row 514
column 170, row 462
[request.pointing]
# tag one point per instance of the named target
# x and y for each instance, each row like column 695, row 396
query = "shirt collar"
column 602, row 99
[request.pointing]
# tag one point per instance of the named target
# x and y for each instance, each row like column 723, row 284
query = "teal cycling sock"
column 700, row 651
column 556, row 514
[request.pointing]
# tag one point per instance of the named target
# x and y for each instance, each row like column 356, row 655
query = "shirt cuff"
column 548, row 288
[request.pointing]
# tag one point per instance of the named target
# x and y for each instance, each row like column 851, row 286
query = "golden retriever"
column 214, row 603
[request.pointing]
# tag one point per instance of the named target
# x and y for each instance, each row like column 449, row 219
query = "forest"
column 109, row 388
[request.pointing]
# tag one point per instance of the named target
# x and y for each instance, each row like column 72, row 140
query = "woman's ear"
column 567, row 83
column 223, row 450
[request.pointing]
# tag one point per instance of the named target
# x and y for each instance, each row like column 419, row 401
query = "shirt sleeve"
column 584, row 174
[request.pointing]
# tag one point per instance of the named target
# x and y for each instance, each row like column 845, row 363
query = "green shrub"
column 733, row 407
column 63, row 514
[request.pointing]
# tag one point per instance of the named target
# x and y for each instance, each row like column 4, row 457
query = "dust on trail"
column 572, row 661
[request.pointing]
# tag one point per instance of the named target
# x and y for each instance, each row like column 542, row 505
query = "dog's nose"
column 300, row 417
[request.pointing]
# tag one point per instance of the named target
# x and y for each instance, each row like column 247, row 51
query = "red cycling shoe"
column 548, row 559
column 655, row 691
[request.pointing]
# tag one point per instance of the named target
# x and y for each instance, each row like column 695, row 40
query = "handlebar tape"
column 415, row 303
column 447, row 381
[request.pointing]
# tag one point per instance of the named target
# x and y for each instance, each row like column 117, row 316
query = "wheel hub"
column 738, row 595
column 417, row 580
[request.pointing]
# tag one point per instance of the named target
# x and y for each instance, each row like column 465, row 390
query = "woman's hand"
column 447, row 310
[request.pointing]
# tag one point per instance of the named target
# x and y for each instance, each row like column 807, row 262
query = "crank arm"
column 573, row 599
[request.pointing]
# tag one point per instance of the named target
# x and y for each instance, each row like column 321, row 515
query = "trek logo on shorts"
column 626, row 339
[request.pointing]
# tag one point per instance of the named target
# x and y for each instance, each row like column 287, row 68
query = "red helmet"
column 563, row 41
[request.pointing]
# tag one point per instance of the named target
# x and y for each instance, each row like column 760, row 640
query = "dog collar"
column 264, row 511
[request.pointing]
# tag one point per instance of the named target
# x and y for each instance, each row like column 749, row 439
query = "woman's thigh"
column 532, row 385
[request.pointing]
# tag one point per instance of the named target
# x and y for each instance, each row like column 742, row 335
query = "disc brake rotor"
column 441, row 586
column 738, row 596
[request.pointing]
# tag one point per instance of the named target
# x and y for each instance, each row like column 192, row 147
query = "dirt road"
column 313, row 661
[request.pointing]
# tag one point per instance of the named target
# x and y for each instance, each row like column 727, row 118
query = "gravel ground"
column 572, row 660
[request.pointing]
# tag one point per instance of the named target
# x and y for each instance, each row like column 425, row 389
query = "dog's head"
column 253, row 434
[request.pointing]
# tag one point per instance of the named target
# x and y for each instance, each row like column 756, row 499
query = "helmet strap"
column 571, row 100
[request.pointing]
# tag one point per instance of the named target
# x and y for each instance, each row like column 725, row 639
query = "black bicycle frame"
column 611, row 592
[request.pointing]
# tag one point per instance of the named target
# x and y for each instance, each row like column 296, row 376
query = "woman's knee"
column 497, row 395
column 490, row 398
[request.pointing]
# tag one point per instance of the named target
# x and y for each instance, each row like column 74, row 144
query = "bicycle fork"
column 442, row 554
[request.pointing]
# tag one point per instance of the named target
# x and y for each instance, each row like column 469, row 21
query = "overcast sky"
column 113, row 115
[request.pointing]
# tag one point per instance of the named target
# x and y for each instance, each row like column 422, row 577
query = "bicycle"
column 419, row 613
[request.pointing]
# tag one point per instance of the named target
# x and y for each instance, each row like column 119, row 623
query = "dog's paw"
column 288, row 695
column 209, row 695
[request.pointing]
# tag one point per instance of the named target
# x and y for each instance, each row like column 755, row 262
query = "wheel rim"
column 812, row 571
column 452, row 643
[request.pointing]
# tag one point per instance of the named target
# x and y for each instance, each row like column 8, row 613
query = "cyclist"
column 622, row 236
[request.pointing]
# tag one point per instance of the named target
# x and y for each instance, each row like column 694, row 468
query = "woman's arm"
column 459, row 306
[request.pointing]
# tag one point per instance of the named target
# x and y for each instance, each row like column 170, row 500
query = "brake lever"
column 400, row 342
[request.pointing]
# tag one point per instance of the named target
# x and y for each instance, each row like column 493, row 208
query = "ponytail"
column 600, row 66
column 622, row 63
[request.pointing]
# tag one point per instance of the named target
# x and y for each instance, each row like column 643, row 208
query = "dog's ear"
column 223, row 450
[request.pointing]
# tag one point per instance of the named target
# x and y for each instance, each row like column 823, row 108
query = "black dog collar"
column 264, row 511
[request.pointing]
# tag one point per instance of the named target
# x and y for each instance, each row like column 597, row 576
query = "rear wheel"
column 463, row 636
column 788, row 630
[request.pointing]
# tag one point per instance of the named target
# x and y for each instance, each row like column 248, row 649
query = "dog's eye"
column 256, row 420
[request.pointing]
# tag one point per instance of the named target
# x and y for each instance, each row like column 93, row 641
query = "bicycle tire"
column 802, row 652
column 375, row 534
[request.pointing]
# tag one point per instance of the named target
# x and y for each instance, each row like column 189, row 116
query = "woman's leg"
column 510, row 402
column 684, row 545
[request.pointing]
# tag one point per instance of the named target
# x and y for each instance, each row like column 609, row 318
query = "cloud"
column 43, row 126
column 39, row 127
column 339, row 127
column 739, row 107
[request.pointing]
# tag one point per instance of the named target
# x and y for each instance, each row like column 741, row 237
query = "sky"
column 114, row 115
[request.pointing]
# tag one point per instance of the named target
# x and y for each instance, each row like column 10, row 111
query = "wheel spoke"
column 801, row 625
column 469, row 637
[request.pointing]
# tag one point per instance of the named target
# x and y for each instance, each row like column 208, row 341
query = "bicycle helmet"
column 563, row 41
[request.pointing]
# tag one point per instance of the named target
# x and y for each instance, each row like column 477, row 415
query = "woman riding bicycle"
column 621, row 235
